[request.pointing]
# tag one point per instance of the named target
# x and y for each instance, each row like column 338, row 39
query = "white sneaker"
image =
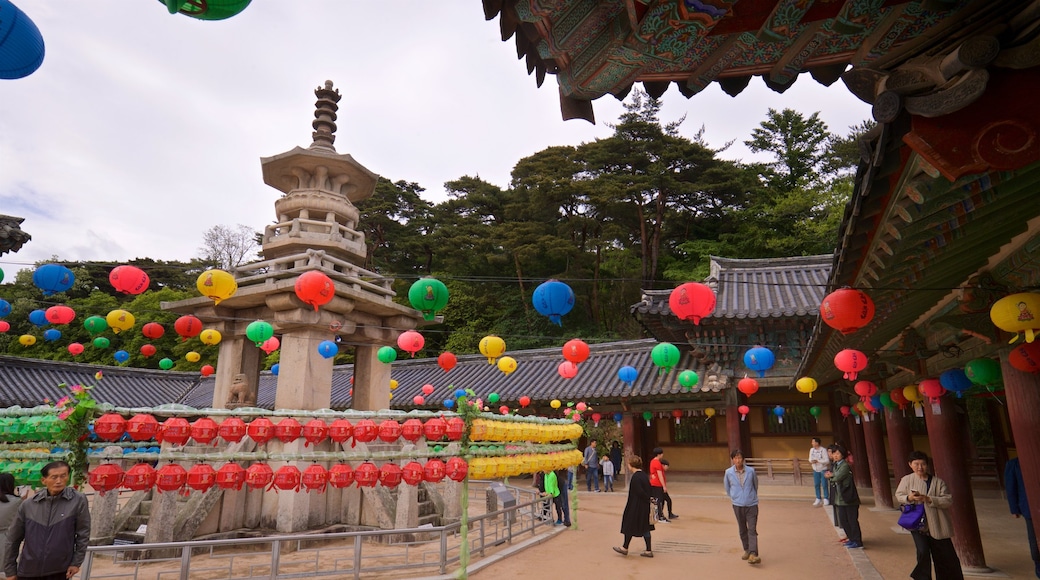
column 826, row 501
column 816, row 503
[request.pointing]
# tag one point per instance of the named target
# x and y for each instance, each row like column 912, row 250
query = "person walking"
column 1015, row 488
column 615, row 458
column 741, row 485
column 658, row 483
column 665, row 498
column 590, row 459
column 608, row 473
column 821, row 462
column 9, row 502
column 846, row 496
column 52, row 528
column 559, row 493
column 636, row 519
column 933, row 542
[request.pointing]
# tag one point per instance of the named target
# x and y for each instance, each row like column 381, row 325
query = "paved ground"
column 796, row 540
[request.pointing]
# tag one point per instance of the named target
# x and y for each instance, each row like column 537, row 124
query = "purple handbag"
column 912, row 517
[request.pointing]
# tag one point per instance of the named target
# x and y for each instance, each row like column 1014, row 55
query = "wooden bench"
column 773, row 468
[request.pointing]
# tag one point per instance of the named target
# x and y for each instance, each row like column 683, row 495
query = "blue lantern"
column 955, row 380
column 875, row 402
column 51, row 334
column 449, row 403
column 779, row 412
column 121, row 356
column 328, row 349
column 628, row 375
column 759, row 359
column 38, row 317
column 21, row 44
column 460, row 393
column 553, row 299
column 53, row 278
column 617, row 418
column 275, row 368
column 5, row 308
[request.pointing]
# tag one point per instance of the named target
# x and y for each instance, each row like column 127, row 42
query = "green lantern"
column 259, row 331
column 428, row 295
column 95, row 325
column 688, row 379
column 647, row 415
column 166, row 364
column 493, row 398
column 665, row 355
column 984, row 371
column 33, row 476
column 815, row 412
column 102, row 342
column 208, row 10
column 50, row 427
column 886, row 400
column 386, row 354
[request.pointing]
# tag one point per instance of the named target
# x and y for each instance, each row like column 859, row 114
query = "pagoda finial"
column 324, row 123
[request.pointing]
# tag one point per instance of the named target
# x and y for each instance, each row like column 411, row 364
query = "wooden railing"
column 781, row 469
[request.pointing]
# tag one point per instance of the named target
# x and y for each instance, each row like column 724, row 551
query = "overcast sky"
column 142, row 130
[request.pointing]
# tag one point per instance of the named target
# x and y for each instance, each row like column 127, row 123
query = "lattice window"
column 797, row 420
column 694, row 431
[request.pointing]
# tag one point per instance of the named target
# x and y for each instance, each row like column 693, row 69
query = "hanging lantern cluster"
column 498, row 467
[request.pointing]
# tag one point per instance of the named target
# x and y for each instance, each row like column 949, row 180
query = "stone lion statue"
column 240, row 393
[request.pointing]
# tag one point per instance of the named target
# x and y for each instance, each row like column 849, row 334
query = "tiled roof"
column 27, row 382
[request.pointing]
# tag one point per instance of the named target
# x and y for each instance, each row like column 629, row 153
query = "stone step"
column 146, row 508
column 135, row 522
column 433, row 519
column 427, row 508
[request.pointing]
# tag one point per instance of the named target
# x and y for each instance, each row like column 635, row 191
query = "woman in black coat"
column 636, row 519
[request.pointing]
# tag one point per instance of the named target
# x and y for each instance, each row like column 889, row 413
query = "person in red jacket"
column 658, row 484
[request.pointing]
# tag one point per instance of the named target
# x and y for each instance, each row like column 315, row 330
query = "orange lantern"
column 341, row 475
column 315, row 288
column 314, row 432
column 366, row 474
column 315, row 478
column 1026, row 357
column 171, row 477
column 201, row 477
column 692, row 301
column 105, row 477
column 231, row 476
column 288, row 430
column 847, row 310
column 1017, row 313
column 232, row 429
column 288, row 478
column 850, row 362
column 176, row 430
column 259, row 475
column 260, row 430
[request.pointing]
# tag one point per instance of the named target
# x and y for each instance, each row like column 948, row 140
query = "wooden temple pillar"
column 738, row 435
column 900, row 442
column 1023, row 402
column 995, row 413
column 946, row 429
column 874, row 441
column 841, row 424
column 860, row 458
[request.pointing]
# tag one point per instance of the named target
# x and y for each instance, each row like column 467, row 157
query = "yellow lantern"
column 555, row 403
column 806, row 385
column 393, row 384
column 861, row 408
column 216, row 285
column 507, row 365
column 26, row 340
column 478, row 432
column 120, row 320
column 192, row 357
column 492, row 347
column 1018, row 313
column 210, row 337
column 912, row 394
column 709, row 412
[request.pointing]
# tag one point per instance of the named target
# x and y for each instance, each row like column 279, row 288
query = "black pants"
column 646, row 538
column 657, row 496
column 947, row 565
column 667, row 499
column 58, row 576
column 848, row 519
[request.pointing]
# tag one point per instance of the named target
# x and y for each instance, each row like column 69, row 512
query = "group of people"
column 595, row 464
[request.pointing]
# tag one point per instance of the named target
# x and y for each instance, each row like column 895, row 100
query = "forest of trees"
column 642, row 209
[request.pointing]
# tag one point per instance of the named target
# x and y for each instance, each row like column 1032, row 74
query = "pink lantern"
column 743, row 410
column 419, row 400
column 851, row 362
column 865, row 390
column 60, row 314
column 568, row 370
column 427, row 389
column 411, row 342
column 5, row 326
column 75, row 349
column 270, row 345
column 504, row 410
column 581, row 406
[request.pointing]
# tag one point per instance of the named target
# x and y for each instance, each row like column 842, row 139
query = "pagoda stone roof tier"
column 12, row 237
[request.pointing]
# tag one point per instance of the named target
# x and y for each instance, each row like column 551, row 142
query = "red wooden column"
column 733, row 431
column 900, row 443
column 1023, row 404
column 874, row 441
column 861, row 460
column 946, row 435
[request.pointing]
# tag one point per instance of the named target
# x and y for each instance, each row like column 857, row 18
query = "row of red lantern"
column 202, row 476
column 177, row 430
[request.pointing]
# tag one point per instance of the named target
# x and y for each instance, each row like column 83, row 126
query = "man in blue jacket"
column 1019, row 504
column 742, row 487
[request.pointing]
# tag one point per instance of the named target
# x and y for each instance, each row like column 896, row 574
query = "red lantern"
column 412, row 473
column 433, row 471
column 846, row 411
column 204, row 430
column 743, row 410
column 231, row 476
column 232, row 429
column 419, row 400
column 147, row 350
column 411, row 342
column 677, row 414
column 207, row 370
column 567, row 369
column 365, row 431
column 341, row 475
column 447, row 361
column 389, row 431
column 314, row 432
column 435, row 428
column 171, row 477
column 176, row 430
column 455, row 428
column 153, row 330
column 898, row 397
column 128, row 279
column 847, row 310
column 525, row 401
column 288, row 430
column 427, row 389
column 865, row 390
column 139, row 477
column 456, row 469
column 340, row 430
column 932, row 389
column 315, row 288
column 260, row 430
column 6, row 326
column 576, row 351
column 850, row 362
column 412, row 430
column 390, row 475
column 315, row 478
column 288, row 478
column 187, row 327
column 60, row 314
column 1026, row 357
column 270, row 345
column 142, row 427
column 110, row 426
column 504, row 410
column 75, row 348
column 747, row 385
column 259, row 475
column 105, row 477
column 692, row 301
column 595, row 419
column 201, row 477
column 366, row 474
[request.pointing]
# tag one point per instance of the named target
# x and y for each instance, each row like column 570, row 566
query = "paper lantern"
column 411, row 342
column 806, row 385
column 340, row 430
column 288, row 430
column 52, row 278
column 207, row 9
column 21, row 46
column 259, row 331
column 231, row 476
column 147, row 350
column 53, row 334
column 898, row 398
column 912, row 393
column 38, row 317
column 210, row 337
column 507, row 365
column 850, row 362
column 596, row 419
column 492, row 347
column 315, row 288
column 176, row 430
column 677, row 415
column 747, row 385
column 983, row 371
column 128, row 279
column 553, row 299
column 627, row 374
column 270, row 345
column 171, row 477
column 1026, row 357
column 341, row 475
column 5, row 306
column 647, row 416
column 692, row 301
column 454, row 428
column 192, row 356
column 5, row 326
column 435, row 428
column 955, row 381
column 232, row 429
column 665, row 355
column 576, row 351
column 153, row 330
column 60, row 314
column 165, row 364
column 390, row 475
column 567, row 369
column 201, row 477
column 110, row 427
column 428, row 295
column 217, row 285
column 120, row 320
column 259, row 475
column 845, row 411
column 433, row 471
column 456, row 469
column 688, row 379
column 389, row 431
column 617, row 418
column 95, row 325
column 187, row 327
column 365, row 431
column 847, row 310
column 524, row 401
column 412, row 430
column 874, row 404
column 886, row 400
column 709, row 412
column 419, row 400
column 142, row 427
column 260, row 430
column 105, row 477
column 932, row 389
column 759, row 359
column 366, row 474
column 815, row 412
column 139, row 477
column 446, row 361
column 329, row 349
column 314, row 431
column 277, row 367
column 386, row 354
column 743, row 410
column 865, row 389
column 1017, row 313
column 315, row 478
column 779, row 412
column 412, row 473
column 207, row 370
column 287, row 478
column 204, row 431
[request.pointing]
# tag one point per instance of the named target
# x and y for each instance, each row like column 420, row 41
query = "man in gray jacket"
column 55, row 527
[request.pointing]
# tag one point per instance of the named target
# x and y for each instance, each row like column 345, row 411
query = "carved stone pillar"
column 304, row 379
column 371, row 380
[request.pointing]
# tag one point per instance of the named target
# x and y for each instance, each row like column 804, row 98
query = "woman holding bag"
column 932, row 540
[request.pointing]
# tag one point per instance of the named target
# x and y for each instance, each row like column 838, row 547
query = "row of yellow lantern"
column 511, row 465
column 506, row 431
